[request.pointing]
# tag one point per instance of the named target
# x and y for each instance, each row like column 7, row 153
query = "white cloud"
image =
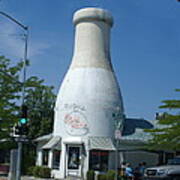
column 12, row 43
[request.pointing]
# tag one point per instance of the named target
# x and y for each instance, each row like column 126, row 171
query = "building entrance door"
column 73, row 164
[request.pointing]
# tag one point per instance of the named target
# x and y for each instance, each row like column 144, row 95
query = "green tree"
column 167, row 133
column 10, row 88
column 39, row 99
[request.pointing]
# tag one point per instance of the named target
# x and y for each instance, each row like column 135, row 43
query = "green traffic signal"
column 23, row 121
column 23, row 116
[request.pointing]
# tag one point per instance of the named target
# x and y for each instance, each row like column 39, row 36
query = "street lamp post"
column 19, row 139
column 25, row 28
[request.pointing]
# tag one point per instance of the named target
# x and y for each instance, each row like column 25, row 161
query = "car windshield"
column 175, row 161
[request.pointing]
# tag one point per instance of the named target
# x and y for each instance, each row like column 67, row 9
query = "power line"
column 12, row 34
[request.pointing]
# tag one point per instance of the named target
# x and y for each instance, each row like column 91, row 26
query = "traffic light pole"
column 24, row 64
column 19, row 155
column 19, row 139
column 20, row 143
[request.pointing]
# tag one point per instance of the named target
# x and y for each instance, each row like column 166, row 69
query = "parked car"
column 171, row 171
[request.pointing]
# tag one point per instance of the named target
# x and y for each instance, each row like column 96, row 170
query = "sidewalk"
column 33, row 178
column 26, row 178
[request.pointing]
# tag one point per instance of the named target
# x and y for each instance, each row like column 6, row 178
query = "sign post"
column 19, row 157
column 118, row 123
column 118, row 135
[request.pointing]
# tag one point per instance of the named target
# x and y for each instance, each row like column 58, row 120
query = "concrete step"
column 73, row 178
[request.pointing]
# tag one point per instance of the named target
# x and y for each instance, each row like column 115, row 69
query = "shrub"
column 39, row 171
column 30, row 170
column 90, row 175
column 45, row 172
column 36, row 171
column 102, row 177
column 111, row 174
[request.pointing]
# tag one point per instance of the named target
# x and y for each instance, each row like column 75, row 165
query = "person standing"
column 142, row 168
column 123, row 171
column 137, row 173
column 129, row 172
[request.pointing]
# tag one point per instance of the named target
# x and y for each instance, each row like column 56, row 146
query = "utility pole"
column 20, row 138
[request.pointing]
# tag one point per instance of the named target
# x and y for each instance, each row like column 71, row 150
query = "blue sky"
column 145, row 45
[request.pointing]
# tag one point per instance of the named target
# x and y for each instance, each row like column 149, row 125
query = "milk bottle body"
column 89, row 94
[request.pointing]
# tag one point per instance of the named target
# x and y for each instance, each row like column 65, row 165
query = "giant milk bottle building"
column 89, row 106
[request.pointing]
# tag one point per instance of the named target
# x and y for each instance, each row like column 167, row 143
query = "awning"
column 101, row 143
column 43, row 138
column 73, row 140
column 53, row 143
column 130, row 144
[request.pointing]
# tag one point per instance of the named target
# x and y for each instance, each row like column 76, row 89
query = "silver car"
column 171, row 171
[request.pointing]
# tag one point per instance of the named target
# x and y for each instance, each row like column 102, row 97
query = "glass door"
column 73, row 161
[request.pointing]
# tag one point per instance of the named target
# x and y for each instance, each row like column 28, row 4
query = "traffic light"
column 24, row 113
column 23, row 121
column 21, row 128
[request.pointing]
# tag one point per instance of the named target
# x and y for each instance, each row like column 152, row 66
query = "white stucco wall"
column 89, row 94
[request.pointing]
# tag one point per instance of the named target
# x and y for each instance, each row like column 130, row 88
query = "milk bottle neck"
column 92, row 43
column 92, row 38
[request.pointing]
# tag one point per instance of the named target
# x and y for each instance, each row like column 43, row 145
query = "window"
column 99, row 160
column 45, row 157
column 56, row 159
column 4, row 156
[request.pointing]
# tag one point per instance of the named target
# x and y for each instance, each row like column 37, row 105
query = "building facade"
column 89, row 109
